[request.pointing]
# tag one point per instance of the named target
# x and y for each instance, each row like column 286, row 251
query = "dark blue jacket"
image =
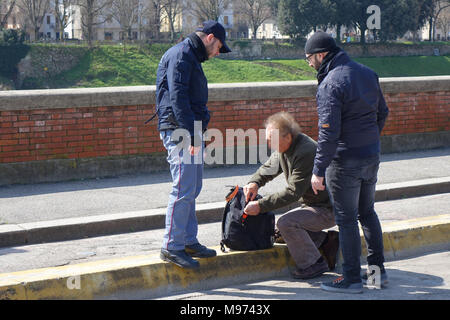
column 352, row 111
column 182, row 88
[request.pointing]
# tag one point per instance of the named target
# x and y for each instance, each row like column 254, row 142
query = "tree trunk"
column 338, row 33
column 36, row 33
column 363, row 35
column 430, row 32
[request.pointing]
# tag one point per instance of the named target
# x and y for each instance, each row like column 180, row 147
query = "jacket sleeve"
column 382, row 111
column 268, row 171
column 178, row 78
column 329, row 107
column 298, row 182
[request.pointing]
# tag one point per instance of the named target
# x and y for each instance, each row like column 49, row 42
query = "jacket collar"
column 292, row 147
column 331, row 61
column 198, row 46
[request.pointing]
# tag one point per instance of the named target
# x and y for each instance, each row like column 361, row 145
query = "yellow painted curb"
column 148, row 276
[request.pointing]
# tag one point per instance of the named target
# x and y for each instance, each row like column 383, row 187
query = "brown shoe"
column 330, row 248
column 312, row 271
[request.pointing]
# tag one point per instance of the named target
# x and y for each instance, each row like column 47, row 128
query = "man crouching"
column 301, row 228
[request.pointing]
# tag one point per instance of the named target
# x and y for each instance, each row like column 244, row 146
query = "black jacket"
column 352, row 111
column 182, row 88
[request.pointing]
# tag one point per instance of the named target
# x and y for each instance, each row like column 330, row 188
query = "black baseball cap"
column 217, row 30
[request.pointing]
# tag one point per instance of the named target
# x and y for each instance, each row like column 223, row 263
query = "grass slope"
column 116, row 66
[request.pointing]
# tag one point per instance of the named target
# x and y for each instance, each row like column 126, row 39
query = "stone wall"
column 51, row 135
column 257, row 50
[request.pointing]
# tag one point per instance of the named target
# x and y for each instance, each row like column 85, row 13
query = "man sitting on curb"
column 301, row 228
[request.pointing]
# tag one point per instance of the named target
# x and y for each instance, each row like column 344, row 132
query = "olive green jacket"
column 297, row 164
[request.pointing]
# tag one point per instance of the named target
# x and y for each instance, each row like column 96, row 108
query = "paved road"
column 426, row 277
column 50, row 201
column 35, row 256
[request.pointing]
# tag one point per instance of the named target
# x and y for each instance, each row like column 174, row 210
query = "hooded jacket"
column 182, row 88
column 351, row 108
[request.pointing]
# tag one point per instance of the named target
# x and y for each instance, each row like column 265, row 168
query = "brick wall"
column 53, row 135
column 88, row 132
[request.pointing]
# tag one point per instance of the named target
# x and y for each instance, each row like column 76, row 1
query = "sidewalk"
column 73, row 210
column 414, row 187
column 409, row 279
column 50, row 201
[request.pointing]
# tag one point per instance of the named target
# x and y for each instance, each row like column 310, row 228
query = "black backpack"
column 244, row 232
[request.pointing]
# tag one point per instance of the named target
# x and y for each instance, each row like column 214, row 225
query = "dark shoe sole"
column 167, row 259
column 341, row 290
column 200, row 254
column 310, row 276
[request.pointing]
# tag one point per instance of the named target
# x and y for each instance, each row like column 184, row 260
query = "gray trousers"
column 301, row 229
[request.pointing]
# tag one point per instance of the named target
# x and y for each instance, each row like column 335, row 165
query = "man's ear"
column 210, row 37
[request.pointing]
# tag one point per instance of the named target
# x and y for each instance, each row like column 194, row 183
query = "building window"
column 225, row 20
column 48, row 19
column 108, row 36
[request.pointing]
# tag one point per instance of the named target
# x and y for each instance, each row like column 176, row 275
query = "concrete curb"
column 149, row 277
column 99, row 225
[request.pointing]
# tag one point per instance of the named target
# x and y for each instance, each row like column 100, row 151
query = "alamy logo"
column 374, row 20
column 236, row 153
column 374, row 277
column 73, row 283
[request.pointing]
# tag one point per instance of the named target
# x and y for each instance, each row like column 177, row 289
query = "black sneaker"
column 199, row 251
column 340, row 285
column 180, row 258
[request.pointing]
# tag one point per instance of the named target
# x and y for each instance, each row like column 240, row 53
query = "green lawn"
column 114, row 66
column 408, row 66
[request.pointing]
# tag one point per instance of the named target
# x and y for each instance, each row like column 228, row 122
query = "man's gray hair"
column 284, row 122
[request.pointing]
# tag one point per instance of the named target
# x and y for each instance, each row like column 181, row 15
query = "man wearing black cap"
column 181, row 97
column 352, row 112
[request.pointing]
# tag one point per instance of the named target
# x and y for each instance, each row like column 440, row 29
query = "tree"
column 443, row 22
column 255, row 13
column 204, row 10
column 34, row 11
column 172, row 9
column 290, row 21
column 125, row 12
column 6, row 8
column 315, row 13
column 340, row 13
column 153, row 14
column 438, row 6
column 63, row 14
column 92, row 15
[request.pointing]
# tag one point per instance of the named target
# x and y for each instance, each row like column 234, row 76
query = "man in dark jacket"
column 352, row 112
column 181, row 97
column 301, row 228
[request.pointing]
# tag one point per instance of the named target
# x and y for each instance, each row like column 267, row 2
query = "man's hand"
column 250, row 191
column 252, row 208
column 317, row 183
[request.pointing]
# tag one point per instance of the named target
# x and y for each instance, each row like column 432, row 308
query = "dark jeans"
column 351, row 185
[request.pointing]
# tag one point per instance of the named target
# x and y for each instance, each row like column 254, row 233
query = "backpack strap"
column 233, row 194
column 152, row 117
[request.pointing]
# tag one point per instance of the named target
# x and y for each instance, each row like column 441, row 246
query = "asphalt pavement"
column 94, row 197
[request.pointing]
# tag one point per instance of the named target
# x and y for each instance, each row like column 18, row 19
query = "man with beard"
column 181, row 97
column 352, row 112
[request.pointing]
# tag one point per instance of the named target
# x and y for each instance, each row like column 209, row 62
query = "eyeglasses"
column 309, row 57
